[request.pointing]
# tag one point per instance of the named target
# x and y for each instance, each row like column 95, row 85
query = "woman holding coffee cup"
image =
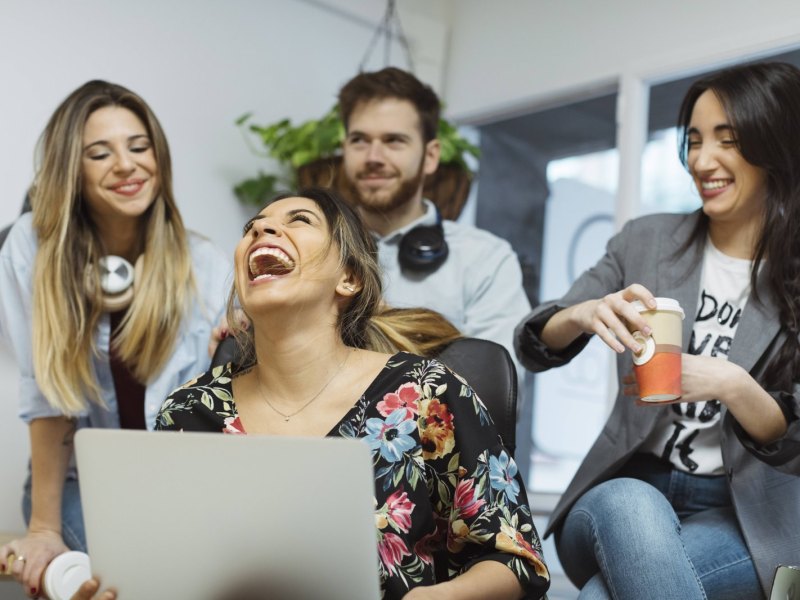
column 650, row 512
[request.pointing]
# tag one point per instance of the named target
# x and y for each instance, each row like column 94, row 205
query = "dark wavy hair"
column 392, row 82
column 762, row 103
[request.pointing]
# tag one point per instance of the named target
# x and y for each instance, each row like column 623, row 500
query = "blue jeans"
column 656, row 532
column 72, row 529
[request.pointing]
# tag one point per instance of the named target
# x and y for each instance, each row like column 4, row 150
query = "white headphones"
column 117, row 281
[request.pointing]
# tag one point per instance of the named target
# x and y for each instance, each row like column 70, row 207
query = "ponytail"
column 415, row 330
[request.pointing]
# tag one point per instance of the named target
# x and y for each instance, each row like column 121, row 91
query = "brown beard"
column 403, row 195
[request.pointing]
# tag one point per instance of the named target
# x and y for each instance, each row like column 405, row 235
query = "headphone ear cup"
column 117, row 281
column 423, row 249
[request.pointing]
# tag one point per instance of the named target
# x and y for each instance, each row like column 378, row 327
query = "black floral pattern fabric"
column 447, row 493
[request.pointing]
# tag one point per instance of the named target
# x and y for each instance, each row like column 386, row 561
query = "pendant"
column 286, row 419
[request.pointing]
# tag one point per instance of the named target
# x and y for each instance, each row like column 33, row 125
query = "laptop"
column 221, row 517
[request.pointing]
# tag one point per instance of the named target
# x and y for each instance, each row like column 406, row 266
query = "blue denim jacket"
column 190, row 357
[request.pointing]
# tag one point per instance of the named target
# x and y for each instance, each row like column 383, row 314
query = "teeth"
column 128, row 187
column 715, row 184
column 267, row 261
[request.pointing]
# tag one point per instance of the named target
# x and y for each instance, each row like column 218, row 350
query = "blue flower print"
column 501, row 475
column 391, row 435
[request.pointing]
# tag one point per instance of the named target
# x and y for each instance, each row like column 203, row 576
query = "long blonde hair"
column 65, row 311
column 366, row 322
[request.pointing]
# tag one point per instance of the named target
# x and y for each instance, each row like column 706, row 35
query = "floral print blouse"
column 447, row 493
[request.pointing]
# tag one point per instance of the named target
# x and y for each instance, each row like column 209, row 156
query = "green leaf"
column 452, row 466
column 256, row 191
column 241, row 120
column 222, row 394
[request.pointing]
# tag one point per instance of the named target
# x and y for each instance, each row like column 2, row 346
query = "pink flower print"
column 233, row 425
column 425, row 546
column 465, row 502
column 407, row 396
column 392, row 549
column 398, row 510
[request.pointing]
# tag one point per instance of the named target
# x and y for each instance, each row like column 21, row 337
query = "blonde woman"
column 105, row 298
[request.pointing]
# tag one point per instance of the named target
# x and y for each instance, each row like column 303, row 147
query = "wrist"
column 38, row 526
column 732, row 384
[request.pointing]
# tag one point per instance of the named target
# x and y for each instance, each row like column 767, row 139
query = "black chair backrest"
column 488, row 368
column 26, row 206
column 485, row 365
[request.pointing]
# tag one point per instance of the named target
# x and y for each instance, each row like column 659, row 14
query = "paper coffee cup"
column 658, row 366
column 65, row 574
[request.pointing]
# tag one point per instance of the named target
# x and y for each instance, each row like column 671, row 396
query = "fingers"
column 27, row 558
column 218, row 334
column 610, row 328
column 27, row 571
column 5, row 563
column 615, row 317
column 88, row 590
column 33, row 575
column 636, row 291
column 629, row 385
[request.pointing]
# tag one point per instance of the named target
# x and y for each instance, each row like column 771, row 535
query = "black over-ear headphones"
column 423, row 249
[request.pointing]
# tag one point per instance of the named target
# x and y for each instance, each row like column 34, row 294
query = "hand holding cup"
column 657, row 366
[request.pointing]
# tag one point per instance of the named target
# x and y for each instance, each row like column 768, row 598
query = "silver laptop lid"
column 212, row 516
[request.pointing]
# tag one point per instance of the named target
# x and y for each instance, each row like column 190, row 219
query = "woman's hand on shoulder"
column 90, row 590
column 222, row 330
column 606, row 317
column 27, row 558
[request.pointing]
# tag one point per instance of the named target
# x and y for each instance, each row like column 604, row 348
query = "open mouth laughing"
column 267, row 262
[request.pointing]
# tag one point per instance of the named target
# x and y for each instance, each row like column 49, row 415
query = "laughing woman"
column 701, row 498
column 453, row 519
column 99, row 341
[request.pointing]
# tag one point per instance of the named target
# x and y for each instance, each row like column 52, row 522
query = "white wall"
column 514, row 53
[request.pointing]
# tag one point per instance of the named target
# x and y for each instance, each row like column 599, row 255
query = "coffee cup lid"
column 65, row 575
column 667, row 304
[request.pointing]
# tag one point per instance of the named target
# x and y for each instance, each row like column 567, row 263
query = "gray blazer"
column 764, row 480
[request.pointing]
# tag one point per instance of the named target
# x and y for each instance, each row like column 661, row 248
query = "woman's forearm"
column 756, row 411
column 561, row 329
column 51, row 448
column 486, row 579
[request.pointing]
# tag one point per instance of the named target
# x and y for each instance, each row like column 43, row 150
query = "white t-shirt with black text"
column 688, row 435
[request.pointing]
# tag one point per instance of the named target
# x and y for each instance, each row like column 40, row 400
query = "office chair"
column 488, row 368
column 486, row 365
column 26, row 206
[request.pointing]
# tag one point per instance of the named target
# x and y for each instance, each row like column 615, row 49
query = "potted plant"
column 310, row 154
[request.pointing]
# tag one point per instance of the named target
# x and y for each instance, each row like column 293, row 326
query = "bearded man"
column 467, row 274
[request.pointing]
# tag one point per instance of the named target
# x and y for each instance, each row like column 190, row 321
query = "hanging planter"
column 309, row 154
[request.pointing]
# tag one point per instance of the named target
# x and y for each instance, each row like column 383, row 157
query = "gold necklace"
column 314, row 397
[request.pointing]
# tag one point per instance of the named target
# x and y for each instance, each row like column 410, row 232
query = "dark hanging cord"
column 389, row 27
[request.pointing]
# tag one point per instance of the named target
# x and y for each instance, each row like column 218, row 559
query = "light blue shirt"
column 478, row 288
column 189, row 358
